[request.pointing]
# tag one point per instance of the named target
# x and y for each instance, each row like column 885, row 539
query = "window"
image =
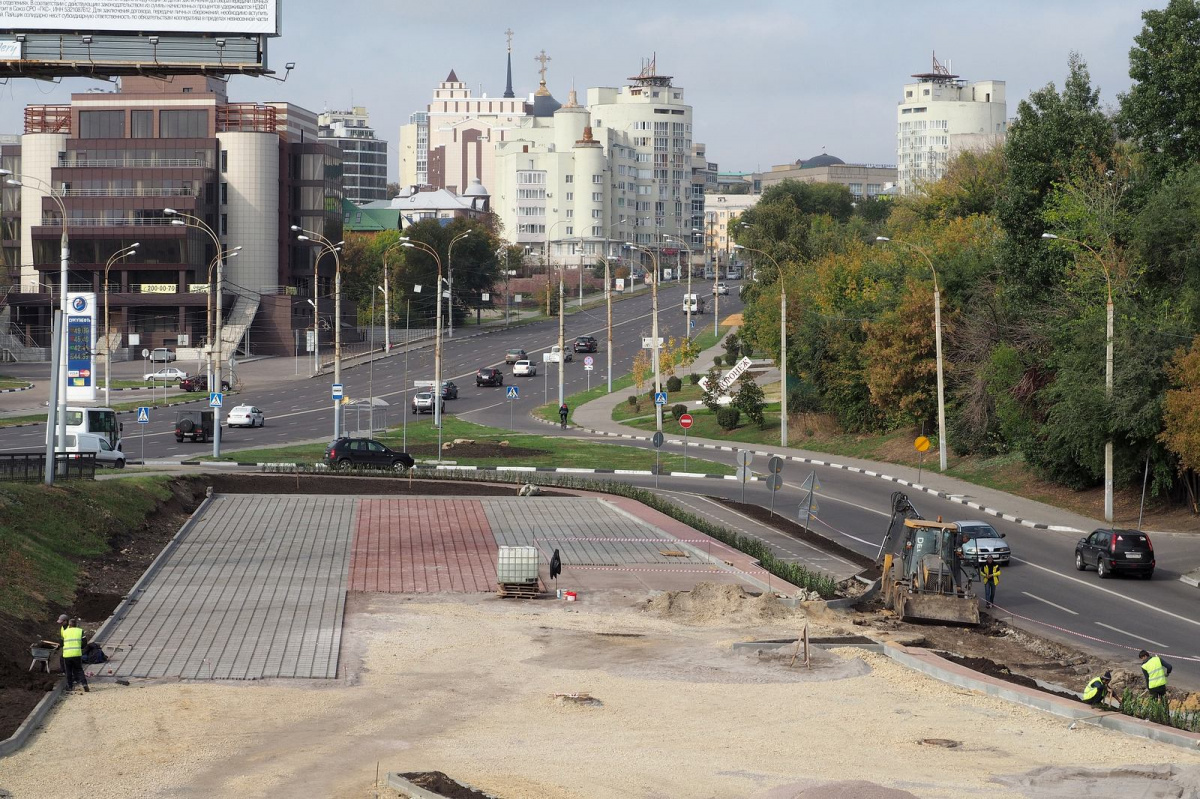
column 598, row 179
column 570, row 213
column 224, row 224
column 597, row 196
column 224, row 194
column 597, row 213
column 570, row 230
column 570, row 196
column 570, row 179
column 101, row 124
column 141, row 124
column 183, row 124
column 224, row 160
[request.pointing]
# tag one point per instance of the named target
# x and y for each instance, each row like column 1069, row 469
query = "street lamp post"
column 208, row 317
column 117, row 256
column 688, row 302
column 658, row 409
column 328, row 246
column 937, row 328
column 450, row 277
column 437, row 340
column 1108, row 370
column 783, row 387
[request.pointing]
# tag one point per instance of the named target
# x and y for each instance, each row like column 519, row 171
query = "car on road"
column 246, row 416
column 488, row 376
column 1116, row 551
column 514, row 355
column 585, row 344
column 721, row 289
column 449, row 390
column 524, row 369
column 196, row 425
column 162, row 355
column 556, row 356
column 168, row 374
column 365, row 453
column 104, row 452
column 199, row 383
column 423, row 403
column 980, row 539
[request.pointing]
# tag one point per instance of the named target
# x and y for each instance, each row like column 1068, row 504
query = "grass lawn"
column 704, row 425
column 13, row 382
column 561, row 451
column 687, row 395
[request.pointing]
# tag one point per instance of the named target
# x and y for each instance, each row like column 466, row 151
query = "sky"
column 769, row 81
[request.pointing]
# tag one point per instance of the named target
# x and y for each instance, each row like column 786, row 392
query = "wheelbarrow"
column 41, row 652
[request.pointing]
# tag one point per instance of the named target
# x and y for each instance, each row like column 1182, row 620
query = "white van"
column 106, row 454
column 694, row 303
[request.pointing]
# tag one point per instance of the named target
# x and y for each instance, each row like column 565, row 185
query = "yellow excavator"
column 927, row 578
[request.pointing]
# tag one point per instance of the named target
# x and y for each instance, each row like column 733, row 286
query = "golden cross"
column 509, row 34
column 542, row 57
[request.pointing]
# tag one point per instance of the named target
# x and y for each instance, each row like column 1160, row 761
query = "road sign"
column 660, row 398
column 745, row 457
column 775, row 465
column 811, row 483
column 657, row 440
column 648, row 342
column 743, row 473
column 685, row 421
column 145, row 353
column 588, row 360
column 338, row 391
column 216, row 400
column 486, row 297
column 517, row 299
column 693, row 325
column 423, row 384
column 921, row 444
column 775, row 482
column 143, row 415
column 587, row 367
column 512, row 392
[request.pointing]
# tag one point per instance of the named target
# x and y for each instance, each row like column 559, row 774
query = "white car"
column 246, row 416
column 556, row 355
column 721, row 288
column 168, row 374
column 423, row 403
column 524, row 369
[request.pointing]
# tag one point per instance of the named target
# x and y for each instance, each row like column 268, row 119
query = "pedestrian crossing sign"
column 660, row 398
column 512, row 392
column 215, row 400
column 143, row 415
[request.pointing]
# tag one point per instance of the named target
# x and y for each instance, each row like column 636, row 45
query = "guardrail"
column 30, row 467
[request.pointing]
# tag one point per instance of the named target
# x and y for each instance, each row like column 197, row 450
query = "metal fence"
column 30, row 467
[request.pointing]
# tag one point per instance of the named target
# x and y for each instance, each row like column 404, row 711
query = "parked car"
column 162, row 355
column 524, row 369
column 487, row 376
column 349, row 453
column 514, row 355
column 423, row 403
column 721, row 289
column 196, row 425
column 168, row 374
column 981, row 540
column 585, row 344
column 246, row 416
column 1116, row 551
column 97, row 445
column 557, row 357
column 199, row 383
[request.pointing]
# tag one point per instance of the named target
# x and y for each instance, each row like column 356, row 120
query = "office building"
column 364, row 157
column 863, row 180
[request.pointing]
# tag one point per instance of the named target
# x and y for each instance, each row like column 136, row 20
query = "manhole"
column 942, row 742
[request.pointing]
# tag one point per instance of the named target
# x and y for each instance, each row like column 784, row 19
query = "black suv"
column 199, row 383
column 1114, row 551
column 196, row 425
column 487, row 376
column 585, row 344
column 365, row 453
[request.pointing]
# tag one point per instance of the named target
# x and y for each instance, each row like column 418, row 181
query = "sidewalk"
column 596, row 417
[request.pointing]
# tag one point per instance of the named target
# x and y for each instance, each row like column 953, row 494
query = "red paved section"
column 422, row 546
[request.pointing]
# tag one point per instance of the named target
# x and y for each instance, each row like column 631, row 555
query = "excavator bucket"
column 937, row 607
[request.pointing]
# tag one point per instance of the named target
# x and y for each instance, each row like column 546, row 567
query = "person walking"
column 72, row 654
column 990, row 572
column 1098, row 690
column 1156, row 670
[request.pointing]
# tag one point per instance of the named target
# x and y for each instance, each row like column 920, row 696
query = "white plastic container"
column 517, row 565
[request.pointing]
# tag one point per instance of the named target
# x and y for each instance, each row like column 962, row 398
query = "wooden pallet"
column 519, row 590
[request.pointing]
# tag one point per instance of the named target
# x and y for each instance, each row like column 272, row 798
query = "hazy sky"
column 770, row 81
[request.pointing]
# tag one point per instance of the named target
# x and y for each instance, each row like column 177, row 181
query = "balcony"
column 99, row 221
column 246, row 117
column 66, row 160
column 182, row 191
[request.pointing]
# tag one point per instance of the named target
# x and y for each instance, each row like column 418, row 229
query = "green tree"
column 750, row 400
column 1161, row 111
column 901, row 362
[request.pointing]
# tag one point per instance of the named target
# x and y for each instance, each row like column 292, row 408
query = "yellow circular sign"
column 922, row 444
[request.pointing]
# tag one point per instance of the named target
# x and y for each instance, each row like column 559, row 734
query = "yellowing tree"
column 1181, row 416
column 642, row 370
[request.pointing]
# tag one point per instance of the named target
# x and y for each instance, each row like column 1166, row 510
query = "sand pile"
column 718, row 603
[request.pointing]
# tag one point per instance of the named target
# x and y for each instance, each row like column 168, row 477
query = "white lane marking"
column 1109, row 591
column 1048, row 602
column 1131, row 635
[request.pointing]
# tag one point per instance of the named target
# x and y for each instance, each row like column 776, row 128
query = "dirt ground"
column 486, row 691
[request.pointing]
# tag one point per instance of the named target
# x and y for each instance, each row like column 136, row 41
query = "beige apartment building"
column 721, row 213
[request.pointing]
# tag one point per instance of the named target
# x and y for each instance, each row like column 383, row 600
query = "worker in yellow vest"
column 1156, row 671
column 990, row 573
column 72, row 654
column 1098, row 690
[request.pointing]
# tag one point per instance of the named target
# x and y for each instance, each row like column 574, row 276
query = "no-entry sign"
column 685, row 421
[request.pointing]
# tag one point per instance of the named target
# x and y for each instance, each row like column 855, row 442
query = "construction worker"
column 72, row 654
column 1098, row 690
column 1156, row 671
column 989, row 572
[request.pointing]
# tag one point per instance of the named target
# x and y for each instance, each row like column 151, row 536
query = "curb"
column 14, row 390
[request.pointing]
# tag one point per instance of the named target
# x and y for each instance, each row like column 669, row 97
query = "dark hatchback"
column 586, row 344
column 1116, row 552
column 365, row 453
column 488, row 376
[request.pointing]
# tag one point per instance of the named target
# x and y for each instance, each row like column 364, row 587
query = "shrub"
column 694, row 379
column 732, row 346
column 728, row 417
column 711, row 394
column 750, row 400
column 632, row 400
column 717, row 360
column 674, row 383
column 678, row 409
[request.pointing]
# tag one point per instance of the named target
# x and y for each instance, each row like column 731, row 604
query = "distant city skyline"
column 771, row 81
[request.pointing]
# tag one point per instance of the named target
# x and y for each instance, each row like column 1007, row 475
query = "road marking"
column 1131, row 635
column 1051, row 604
column 1110, row 592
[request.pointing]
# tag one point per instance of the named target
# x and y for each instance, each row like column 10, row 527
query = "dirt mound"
column 710, row 603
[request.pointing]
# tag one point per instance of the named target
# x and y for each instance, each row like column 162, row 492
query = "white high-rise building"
column 940, row 116
column 364, row 157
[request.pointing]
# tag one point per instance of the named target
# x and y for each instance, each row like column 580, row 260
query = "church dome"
column 476, row 189
column 544, row 105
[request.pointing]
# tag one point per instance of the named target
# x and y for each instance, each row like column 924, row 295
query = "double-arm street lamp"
column 658, row 409
column 437, row 337
column 783, row 386
column 1108, row 369
column 327, row 246
column 116, row 256
column 937, row 333
column 688, row 298
column 56, row 414
column 190, row 221
column 450, row 275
